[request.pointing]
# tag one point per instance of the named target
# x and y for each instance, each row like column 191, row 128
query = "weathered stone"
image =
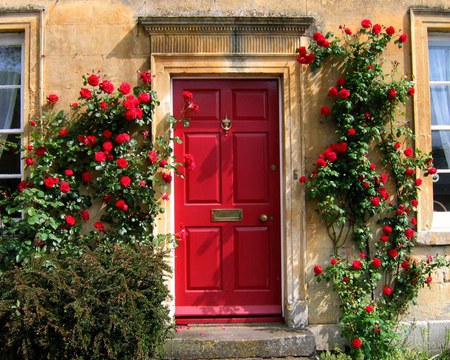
column 251, row 341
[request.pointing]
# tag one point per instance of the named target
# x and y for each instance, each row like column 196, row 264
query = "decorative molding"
column 225, row 35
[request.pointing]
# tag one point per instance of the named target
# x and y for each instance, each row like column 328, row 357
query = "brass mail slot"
column 226, row 215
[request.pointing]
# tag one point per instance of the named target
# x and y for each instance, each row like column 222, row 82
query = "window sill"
column 435, row 237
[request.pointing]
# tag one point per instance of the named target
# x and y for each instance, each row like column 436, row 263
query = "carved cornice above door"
column 225, row 35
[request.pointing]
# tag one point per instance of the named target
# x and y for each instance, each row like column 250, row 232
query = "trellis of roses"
column 95, row 174
column 366, row 185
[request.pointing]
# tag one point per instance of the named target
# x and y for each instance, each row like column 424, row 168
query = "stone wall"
column 81, row 36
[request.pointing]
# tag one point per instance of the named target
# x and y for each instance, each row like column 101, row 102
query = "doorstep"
column 247, row 341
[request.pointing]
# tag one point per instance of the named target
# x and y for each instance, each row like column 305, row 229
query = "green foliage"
column 104, row 304
column 366, row 187
column 93, row 175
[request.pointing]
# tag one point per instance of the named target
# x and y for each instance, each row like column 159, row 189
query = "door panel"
column 230, row 263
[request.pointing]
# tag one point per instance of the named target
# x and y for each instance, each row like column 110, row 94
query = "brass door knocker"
column 226, row 124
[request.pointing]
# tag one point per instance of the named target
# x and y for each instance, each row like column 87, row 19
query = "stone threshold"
column 249, row 341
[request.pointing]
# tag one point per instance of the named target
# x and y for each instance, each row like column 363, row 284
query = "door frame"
column 165, row 67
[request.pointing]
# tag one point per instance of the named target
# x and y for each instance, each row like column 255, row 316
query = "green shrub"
column 103, row 304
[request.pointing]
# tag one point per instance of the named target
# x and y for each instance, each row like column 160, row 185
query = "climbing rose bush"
column 95, row 174
column 365, row 186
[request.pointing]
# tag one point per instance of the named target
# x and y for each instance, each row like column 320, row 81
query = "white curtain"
column 8, row 97
column 440, row 96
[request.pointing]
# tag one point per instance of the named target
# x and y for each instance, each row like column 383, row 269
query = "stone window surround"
column 251, row 48
column 424, row 21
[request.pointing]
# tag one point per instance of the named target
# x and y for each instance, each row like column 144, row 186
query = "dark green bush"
column 104, row 304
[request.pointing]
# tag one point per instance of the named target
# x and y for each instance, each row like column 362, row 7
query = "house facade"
column 254, row 238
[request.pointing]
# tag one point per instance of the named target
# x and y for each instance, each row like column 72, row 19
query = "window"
column 11, row 109
column 439, row 70
column 430, row 50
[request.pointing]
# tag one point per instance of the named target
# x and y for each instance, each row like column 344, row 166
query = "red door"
column 229, row 265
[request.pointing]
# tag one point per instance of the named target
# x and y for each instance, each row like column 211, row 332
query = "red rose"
column 163, row 163
column 302, row 51
column 397, row 145
column 418, row 182
column 414, row 221
column 307, row 59
column 103, row 105
column 107, row 86
column 146, row 77
column 121, row 205
column 325, row 110
column 405, row 264
column 302, row 179
column 393, row 253
column 369, row 308
column 408, row 152
column 131, row 102
column 341, row 147
column 85, row 215
column 390, row 30
column 122, row 138
column 318, row 269
column 351, row 132
column 345, row 279
column 376, row 29
column 40, row 151
column 411, row 91
column 68, row 172
column 340, row 81
column 348, row 31
column 52, row 98
column 387, row 290
column 122, row 163
column 187, row 95
column 344, row 94
column 125, row 181
column 356, row 343
column 321, row 163
column 100, row 156
column 414, row 202
column 373, row 166
column 33, row 123
column 144, row 97
column 333, row 92
column 428, row 280
column 74, row 106
column 99, row 226
column 125, row 88
column 403, row 38
column 376, row 263
column 86, row 177
column 167, row 177
column 330, row 155
column 333, row 261
column 50, row 181
column 64, row 186
column 63, row 132
column 356, row 265
column 70, row 220
column 387, row 229
column 384, row 238
column 366, row 23
column 29, row 161
column 409, row 233
column 107, row 134
column 93, row 80
column 85, row 93
column 391, row 94
column 409, row 172
column 375, row 201
column 152, row 156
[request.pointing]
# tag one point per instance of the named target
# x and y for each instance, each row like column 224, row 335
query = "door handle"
column 263, row 217
column 226, row 124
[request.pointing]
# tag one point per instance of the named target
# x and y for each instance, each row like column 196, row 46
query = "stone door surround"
column 252, row 47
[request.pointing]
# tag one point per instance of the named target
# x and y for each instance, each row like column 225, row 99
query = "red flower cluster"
column 321, row 40
column 304, row 57
column 331, row 153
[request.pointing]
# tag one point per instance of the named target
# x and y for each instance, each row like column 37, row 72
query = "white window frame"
column 15, row 39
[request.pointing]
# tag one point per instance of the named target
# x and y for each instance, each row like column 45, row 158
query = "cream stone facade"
column 65, row 39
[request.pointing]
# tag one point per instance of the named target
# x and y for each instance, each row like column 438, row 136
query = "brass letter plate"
column 226, row 215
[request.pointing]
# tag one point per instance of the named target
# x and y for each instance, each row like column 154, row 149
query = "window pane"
column 441, row 149
column 10, row 157
column 440, row 104
column 10, row 109
column 439, row 59
column 441, row 191
column 10, row 64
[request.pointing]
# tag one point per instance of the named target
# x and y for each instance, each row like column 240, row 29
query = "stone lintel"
column 233, row 35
